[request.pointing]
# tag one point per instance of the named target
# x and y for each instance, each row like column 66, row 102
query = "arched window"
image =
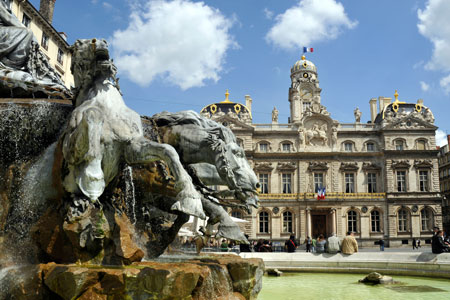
column 426, row 218
column 236, row 214
column 264, row 222
column 286, row 147
column 403, row 218
column 287, row 222
column 375, row 220
column 348, row 147
column 421, row 145
column 352, row 221
column 399, row 145
column 370, row 146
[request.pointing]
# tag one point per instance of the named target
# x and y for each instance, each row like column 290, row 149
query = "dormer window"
column 263, row 147
column 399, row 145
column 286, row 147
column 421, row 145
column 370, row 147
column 348, row 147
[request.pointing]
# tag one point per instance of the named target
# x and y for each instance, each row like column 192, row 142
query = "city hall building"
column 379, row 179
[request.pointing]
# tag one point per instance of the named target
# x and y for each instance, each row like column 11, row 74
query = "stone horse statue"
column 211, row 152
column 103, row 130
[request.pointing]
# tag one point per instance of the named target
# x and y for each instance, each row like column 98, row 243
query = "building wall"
column 39, row 26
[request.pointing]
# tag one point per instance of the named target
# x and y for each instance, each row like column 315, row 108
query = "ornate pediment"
column 232, row 121
column 291, row 166
column 369, row 166
column 318, row 166
column 412, row 121
column 400, row 164
column 263, row 166
column 423, row 163
column 349, row 166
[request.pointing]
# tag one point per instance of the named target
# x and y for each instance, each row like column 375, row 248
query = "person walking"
column 308, row 243
column 418, row 243
column 381, row 243
column 349, row 244
column 290, row 245
column 333, row 244
column 414, row 244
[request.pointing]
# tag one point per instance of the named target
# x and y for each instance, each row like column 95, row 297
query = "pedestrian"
column 320, row 244
column 308, row 243
column 414, row 244
column 349, row 244
column 265, row 247
column 437, row 243
column 290, row 245
column 333, row 244
column 418, row 244
column 224, row 246
column 435, row 230
column 313, row 245
column 381, row 243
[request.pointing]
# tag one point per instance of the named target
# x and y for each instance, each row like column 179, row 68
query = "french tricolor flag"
column 321, row 194
column 305, row 49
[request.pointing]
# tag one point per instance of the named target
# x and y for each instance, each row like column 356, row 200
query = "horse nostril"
column 257, row 185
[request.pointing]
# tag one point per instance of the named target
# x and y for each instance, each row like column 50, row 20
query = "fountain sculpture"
column 88, row 188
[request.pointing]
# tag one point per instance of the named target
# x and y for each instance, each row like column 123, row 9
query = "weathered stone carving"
column 423, row 163
column 317, row 132
column 357, row 114
column 370, row 166
column 349, row 166
column 400, row 164
column 24, row 68
column 286, row 166
column 275, row 115
column 318, row 166
column 263, row 166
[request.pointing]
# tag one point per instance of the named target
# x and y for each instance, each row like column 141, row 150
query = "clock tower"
column 304, row 88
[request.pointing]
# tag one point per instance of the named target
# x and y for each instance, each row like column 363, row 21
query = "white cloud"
column 308, row 22
column 424, row 86
column 445, row 84
column 107, row 5
column 434, row 24
column 183, row 42
column 268, row 13
column 441, row 138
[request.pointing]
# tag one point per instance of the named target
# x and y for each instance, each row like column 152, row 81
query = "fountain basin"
column 199, row 277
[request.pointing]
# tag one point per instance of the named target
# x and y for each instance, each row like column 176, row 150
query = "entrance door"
column 319, row 225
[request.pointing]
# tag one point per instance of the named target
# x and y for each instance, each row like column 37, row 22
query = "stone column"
column 333, row 221
column 308, row 222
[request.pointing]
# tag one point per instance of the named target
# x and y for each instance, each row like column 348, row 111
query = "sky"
column 183, row 54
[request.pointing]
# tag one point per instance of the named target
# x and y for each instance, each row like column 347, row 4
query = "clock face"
column 305, row 94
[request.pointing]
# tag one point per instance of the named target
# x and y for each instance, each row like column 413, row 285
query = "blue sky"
column 178, row 55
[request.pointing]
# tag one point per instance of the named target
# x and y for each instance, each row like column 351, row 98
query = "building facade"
column 444, row 178
column 318, row 176
column 52, row 43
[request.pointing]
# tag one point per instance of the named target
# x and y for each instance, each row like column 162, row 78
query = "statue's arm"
column 8, row 19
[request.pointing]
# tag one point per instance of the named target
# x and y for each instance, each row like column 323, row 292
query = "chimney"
column 248, row 102
column 46, row 9
column 383, row 102
column 373, row 109
column 448, row 139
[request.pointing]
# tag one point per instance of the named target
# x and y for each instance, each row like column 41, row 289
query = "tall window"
column 44, row 42
column 60, row 56
column 264, row 182
column 306, row 105
column 375, row 221
column 398, row 145
column 287, row 221
column 401, row 181
column 348, row 147
column 370, row 147
column 349, row 182
column 352, row 221
column 287, row 183
column 318, row 181
column 263, row 147
column 423, row 181
column 371, row 182
column 286, row 147
column 26, row 20
column 263, row 222
column 402, row 220
column 426, row 217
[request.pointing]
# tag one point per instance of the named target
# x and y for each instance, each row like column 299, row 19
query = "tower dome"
column 303, row 65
